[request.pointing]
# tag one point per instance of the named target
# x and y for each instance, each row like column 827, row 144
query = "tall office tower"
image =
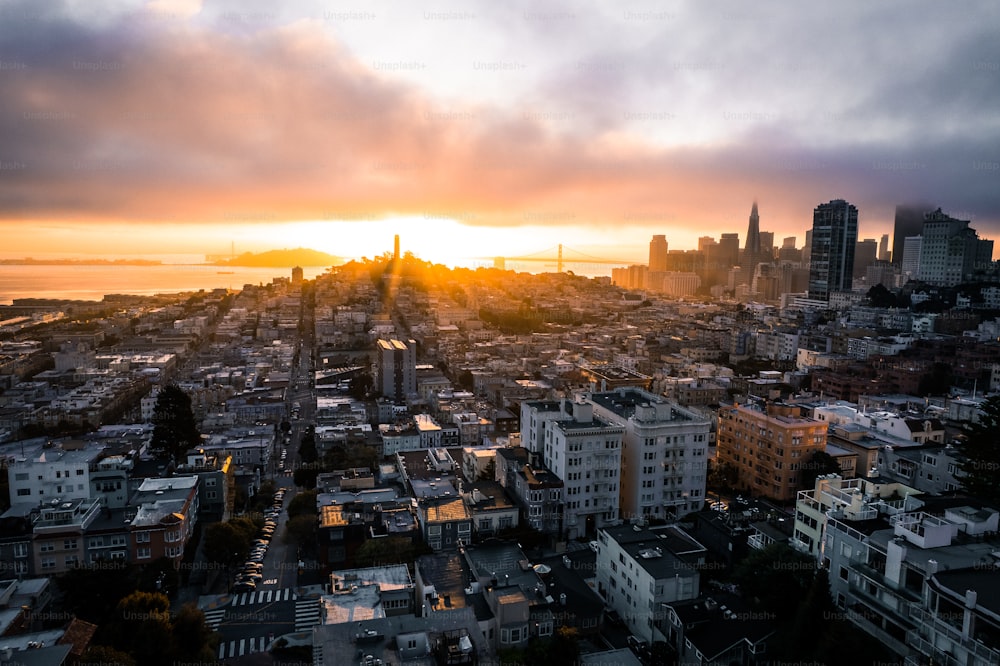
column 909, row 222
column 883, row 248
column 658, row 254
column 297, row 275
column 706, row 242
column 834, row 236
column 767, row 246
column 911, row 256
column 951, row 251
column 752, row 254
column 397, row 369
column 729, row 250
column 807, row 248
column 788, row 251
column 865, row 254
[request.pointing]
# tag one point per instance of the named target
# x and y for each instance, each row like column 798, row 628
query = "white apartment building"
column 637, row 573
column 585, row 452
column 664, row 453
column 53, row 473
column 855, row 499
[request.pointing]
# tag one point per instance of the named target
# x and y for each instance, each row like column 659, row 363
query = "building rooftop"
column 447, row 510
column 716, row 622
column 983, row 580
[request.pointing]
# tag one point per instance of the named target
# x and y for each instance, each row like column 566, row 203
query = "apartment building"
column 637, row 573
column 856, row 499
column 768, row 447
column 895, row 577
column 536, row 490
column 585, row 452
column 664, row 453
column 166, row 511
column 53, row 472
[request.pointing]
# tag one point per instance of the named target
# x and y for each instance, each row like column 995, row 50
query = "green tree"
column 225, row 544
column 195, row 641
column 102, row 655
column 980, row 450
column 302, row 530
column 773, row 575
column 820, row 462
column 174, row 429
column 303, row 503
column 143, row 628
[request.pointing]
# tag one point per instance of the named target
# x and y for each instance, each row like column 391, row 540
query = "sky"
column 476, row 128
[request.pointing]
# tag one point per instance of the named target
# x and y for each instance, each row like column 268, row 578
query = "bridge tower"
column 559, row 261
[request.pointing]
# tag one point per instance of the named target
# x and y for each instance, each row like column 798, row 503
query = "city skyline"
column 185, row 128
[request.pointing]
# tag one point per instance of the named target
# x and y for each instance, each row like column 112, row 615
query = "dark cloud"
column 140, row 119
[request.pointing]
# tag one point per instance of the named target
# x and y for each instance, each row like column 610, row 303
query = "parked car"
column 245, row 586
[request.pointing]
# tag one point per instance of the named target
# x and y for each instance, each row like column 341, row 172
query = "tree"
column 225, row 544
column 820, row 462
column 980, row 450
column 195, row 641
column 302, row 530
column 102, row 655
column 880, row 297
column 143, row 628
column 174, row 429
column 774, row 575
column 303, row 503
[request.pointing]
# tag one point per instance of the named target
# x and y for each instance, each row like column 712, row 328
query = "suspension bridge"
column 560, row 255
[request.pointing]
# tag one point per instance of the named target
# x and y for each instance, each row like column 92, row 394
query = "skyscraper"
column 950, row 251
column 397, row 369
column 883, row 248
column 752, row 254
column 909, row 222
column 658, row 254
column 834, row 237
column 729, row 250
column 865, row 254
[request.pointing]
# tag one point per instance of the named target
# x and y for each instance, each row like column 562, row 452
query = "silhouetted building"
column 909, row 222
column 834, row 235
column 865, row 254
column 658, row 254
column 752, row 253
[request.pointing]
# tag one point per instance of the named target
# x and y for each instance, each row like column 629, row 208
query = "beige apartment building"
column 768, row 447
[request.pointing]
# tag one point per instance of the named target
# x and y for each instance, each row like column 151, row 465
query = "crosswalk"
column 243, row 646
column 264, row 597
column 306, row 614
column 213, row 617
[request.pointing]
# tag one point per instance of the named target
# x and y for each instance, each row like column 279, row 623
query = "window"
column 143, row 553
column 79, row 472
column 434, row 530
column 47, row 547
column 72, row 561
column 142, row 537
column 23, row 492
column 48, row 563
column 20, row 550
column 21, row 476
column 69, row 544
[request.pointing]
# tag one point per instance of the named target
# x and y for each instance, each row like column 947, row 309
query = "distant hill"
column 282, row 259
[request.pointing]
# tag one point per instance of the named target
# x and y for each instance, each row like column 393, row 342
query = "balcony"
column 799, row 545
column 930, row 626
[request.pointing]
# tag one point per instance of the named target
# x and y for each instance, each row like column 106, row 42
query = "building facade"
column 834, row 239
column 664, row 453
column 397, row 368
column 768, row 448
